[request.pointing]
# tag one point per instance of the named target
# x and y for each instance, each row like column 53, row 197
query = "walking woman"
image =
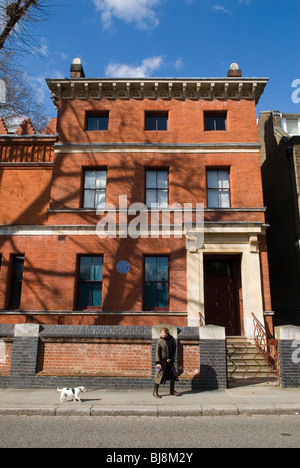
column 164, row 360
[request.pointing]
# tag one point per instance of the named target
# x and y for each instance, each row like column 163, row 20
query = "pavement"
column 255, row 399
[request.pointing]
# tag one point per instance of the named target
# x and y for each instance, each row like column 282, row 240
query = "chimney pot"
column 77, row 69
column 234, row 71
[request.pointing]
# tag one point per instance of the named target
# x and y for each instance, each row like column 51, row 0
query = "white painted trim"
column 91, row 230
column 287, row 332
column 91, row 148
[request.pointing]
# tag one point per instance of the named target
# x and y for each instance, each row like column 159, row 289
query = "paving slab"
column 245, row 400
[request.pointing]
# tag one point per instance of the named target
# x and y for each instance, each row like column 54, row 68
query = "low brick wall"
column 39, row 356
column 289, row 355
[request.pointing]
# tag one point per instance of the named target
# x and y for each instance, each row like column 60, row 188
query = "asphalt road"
column 148, row 432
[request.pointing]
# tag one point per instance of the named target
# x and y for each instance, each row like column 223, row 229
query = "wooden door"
column 221, row 294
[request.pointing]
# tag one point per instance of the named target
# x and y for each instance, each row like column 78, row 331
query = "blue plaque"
column 123, row 267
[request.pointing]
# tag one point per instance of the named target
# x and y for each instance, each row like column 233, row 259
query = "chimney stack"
column 234, row 71
column 77, row 69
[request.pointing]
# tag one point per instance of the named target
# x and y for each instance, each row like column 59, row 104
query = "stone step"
column 245, row 361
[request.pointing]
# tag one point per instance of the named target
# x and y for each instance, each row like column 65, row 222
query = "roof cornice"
column 158, row 88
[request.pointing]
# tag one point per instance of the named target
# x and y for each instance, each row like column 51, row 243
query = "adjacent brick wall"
column 104, row 358
column 108, row 356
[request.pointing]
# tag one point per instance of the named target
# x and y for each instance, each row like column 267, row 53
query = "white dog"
column 71, row 392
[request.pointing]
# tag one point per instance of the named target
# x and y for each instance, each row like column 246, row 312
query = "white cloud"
column 221, row 8
column 144, row 70
column 179, row 64
column 140, row 12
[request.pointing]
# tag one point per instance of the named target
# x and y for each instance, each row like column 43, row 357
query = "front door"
column 221, row 289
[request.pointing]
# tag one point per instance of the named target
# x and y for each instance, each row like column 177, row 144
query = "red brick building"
column 163, row 141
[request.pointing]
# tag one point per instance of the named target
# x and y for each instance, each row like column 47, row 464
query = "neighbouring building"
column 119, row 145
column 279, row 135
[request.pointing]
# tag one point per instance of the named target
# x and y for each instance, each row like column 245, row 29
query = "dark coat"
column 161, row 357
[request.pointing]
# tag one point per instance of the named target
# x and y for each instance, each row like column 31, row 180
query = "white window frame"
column 284, row 125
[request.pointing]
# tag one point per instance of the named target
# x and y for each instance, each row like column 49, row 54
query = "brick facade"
column 43, row 218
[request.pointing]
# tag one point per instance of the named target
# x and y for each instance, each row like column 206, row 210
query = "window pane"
column 151, row 179
column 18, row 268
column 89, row 199
column 157, row 122
column 89, row 293
column 218, row 268
column 90, row 180
column 162, row 123
column 209, row 123
column 292, row 126
column 98, row 123
column 100, row 198
column 214, row 122
column 163, row 198
column 16, row 295
column 101, row 179
column 224, row 201
column 151, row 198
column 223, row 177
column 16, row 281
column 95, row 295
column 150, row 123
column 150, row 268
column 220, row 123
column 150, row 295
column 162, row 268
column 212, row 199
column 162, row 179
column 212, row 179
column 85, row 269
column 96, row 269
column 84, row 294
column 162, row 295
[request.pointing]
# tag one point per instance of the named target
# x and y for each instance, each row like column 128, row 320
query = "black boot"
column 155, row 392
column 172, row 388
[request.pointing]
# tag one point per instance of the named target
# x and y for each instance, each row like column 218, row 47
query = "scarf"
column 169, row 340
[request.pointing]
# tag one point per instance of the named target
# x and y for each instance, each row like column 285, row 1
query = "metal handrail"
column 267, row 347
column 202, row 320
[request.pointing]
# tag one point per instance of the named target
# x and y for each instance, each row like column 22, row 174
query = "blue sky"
column 172, row 38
